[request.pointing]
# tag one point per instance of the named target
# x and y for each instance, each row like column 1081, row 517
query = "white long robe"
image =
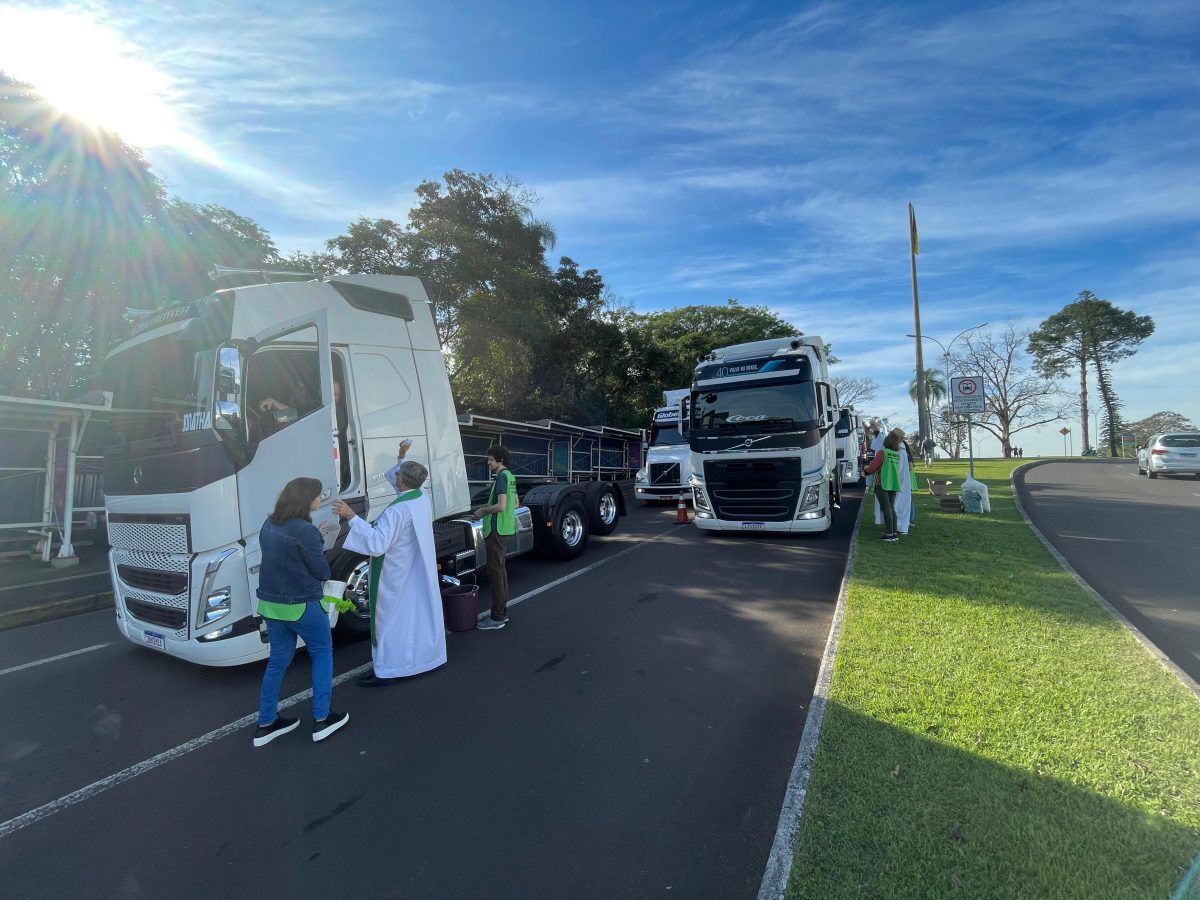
column 410, row 634
column 904, row 497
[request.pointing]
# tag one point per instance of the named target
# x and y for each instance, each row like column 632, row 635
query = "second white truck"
column 668, row 471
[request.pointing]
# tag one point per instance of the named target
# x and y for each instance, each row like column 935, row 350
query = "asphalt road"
column 629, row 734
column 1134, row 540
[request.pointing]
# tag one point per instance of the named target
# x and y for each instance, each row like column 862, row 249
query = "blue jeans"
column 313, row 626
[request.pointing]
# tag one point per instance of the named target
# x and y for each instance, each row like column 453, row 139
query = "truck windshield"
column 756, row 409
column 170, row 384
column 665, row 435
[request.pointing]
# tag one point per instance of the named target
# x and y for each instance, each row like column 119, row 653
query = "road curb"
column 1151, row 648
column 55, row 609
column 783, row 850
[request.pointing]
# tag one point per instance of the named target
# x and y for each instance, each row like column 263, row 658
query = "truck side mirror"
column 685, row 415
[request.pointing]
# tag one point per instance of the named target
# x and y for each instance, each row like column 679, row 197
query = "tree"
column 935, row 388
column 1017, row 398
column 1090, row 330
column 664, row 347
column 1112, row 335
column 89, row 231
column 949, row 431
column 1159, row 423
column 852, row 391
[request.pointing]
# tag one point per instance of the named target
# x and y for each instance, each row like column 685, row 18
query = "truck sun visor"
column 389, row 303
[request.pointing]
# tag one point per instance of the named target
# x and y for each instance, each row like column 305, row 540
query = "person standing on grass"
column 290, row 587
column 875, row 442
column 905, row 509
column 885, row 465
column 929, row 446
column 499, row 516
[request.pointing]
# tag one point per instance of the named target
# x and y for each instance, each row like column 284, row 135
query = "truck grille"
column 764, row 490
column 167, row 617
column 150, row 533
column 153, row 580
column 664, row 473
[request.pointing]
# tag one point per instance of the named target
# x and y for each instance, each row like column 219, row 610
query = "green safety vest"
column 503, row 522
column 889, row 472
column 377, row 564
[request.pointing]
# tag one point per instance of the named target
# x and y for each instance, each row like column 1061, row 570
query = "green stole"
column 377, row 563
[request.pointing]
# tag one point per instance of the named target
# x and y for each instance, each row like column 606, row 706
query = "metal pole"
column 970, row 447
column 48, row 494
column 66, row 552
column 922, row 400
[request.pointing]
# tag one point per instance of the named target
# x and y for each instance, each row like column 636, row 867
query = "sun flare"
column 90, row 72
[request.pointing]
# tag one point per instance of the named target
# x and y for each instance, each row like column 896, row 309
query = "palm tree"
column 935, row 388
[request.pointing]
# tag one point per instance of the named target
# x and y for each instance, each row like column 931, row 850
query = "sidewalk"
column 32, row 591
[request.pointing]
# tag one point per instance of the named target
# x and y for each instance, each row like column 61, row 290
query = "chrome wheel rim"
column 608, row 508
column 358, row 588
column 571, row 528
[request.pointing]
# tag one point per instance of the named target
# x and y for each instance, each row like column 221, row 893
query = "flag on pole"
column 912, row 231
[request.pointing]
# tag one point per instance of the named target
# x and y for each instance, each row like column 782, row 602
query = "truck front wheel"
column 355, row 570
column 568, row 534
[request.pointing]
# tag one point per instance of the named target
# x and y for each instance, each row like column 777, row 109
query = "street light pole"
column 949, row 394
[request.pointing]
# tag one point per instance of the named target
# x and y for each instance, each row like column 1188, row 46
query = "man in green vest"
column 499, row 521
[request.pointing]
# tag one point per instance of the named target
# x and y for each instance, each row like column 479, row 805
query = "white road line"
column 553, row 584
column 783, row 848
column 50, row 659
column 96, row 788
column 147, row 765
column 33, row 584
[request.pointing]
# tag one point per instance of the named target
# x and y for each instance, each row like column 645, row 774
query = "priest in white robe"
column 408, row 634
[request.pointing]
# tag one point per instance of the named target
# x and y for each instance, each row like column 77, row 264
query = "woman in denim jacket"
column 290, row 587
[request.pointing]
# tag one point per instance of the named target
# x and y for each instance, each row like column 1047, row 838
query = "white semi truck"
column 667, row 474
column 849, row 440
column 761, row 433
column 223, row 400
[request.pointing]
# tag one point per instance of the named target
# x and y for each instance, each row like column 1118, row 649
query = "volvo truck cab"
column 222, row 401
column 761, row 433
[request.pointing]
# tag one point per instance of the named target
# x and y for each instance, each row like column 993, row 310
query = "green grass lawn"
column 991, row 730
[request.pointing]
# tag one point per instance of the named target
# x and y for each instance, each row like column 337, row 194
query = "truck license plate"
column 154, row 639
column 754, row 525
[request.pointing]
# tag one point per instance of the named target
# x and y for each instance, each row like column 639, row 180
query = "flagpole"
column 922, row 404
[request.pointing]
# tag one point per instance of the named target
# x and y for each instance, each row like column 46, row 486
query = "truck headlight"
column 217, row 605
column 643, row 474
column 699, row 497
column 810, row 499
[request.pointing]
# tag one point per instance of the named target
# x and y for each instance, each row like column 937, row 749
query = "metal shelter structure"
column 58, row 421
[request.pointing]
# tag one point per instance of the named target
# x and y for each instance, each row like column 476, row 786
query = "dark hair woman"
column 290, row 587
column 887, row 463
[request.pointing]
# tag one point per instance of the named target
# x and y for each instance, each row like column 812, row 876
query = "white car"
column 1170, row 454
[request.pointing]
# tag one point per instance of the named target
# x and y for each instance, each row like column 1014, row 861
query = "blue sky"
column 696, row 151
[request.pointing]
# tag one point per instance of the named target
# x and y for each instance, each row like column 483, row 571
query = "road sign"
column 1064, row 431
column 966, row 394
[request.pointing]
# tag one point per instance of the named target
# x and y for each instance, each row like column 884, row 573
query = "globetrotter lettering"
column 197, row 421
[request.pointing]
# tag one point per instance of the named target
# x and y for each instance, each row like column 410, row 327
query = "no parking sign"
column 966, row 394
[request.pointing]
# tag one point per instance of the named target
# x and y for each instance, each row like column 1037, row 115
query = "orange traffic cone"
column 681, row 516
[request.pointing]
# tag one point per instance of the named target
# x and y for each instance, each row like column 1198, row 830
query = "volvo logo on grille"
column 137, row 474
